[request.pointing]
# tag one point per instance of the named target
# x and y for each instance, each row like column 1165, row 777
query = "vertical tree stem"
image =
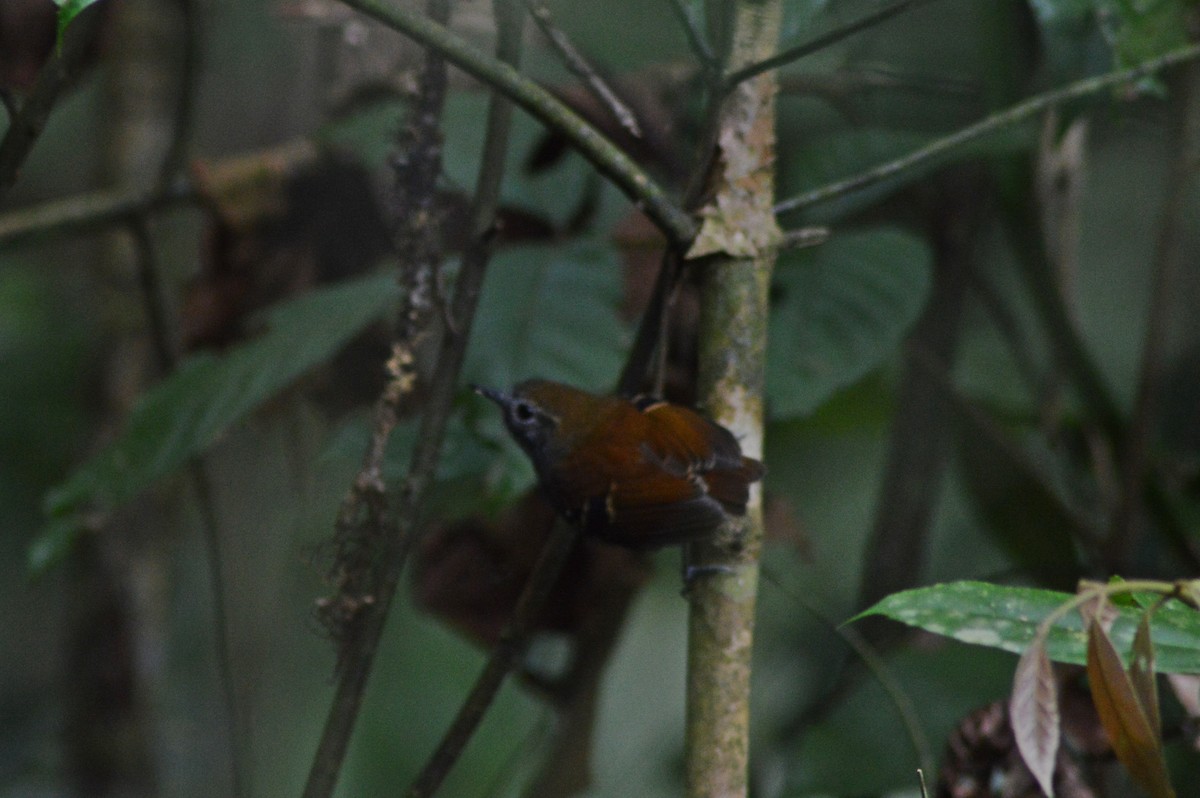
column 740, row 230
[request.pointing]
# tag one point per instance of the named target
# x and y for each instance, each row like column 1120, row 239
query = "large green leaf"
column 1007, row 618
column 842, row 309
column 550, row 312
column 188, row 411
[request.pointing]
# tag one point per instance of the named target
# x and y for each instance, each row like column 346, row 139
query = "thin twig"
column 996, row 121
column 609, row 159
column 397, row 530
column 413, row 215
column 83, row 213
column 582, row 69
column 651, row 331
column 822, row 41
column 166, row 355
column 150, row 282
column 503, row 659
column 185, row 98
column 59, row 72
column 695, row 35
column 874, row 662
column 86, row 212
column 804, row 237
column 239, row 739
column 374, row 532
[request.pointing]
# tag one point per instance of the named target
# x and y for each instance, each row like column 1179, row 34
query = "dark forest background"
column 984, row 365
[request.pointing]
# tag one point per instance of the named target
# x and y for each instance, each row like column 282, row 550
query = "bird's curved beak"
column 499, row 397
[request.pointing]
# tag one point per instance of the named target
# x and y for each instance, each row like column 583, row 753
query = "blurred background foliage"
column 928, row 420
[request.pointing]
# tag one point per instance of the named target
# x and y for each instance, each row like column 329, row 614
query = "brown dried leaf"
column 1033, row 712
column 1135, row 741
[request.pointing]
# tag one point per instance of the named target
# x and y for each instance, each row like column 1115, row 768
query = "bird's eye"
column 523, row 412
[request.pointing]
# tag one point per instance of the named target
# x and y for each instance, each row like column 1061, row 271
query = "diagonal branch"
column 58, row 73
column 609, row 159
column 1021, row 111
column 695, row 35
column 503, row 659
column 821, row 42
column 397, row 529
column 576, row 62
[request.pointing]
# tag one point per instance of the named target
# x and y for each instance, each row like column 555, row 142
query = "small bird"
column 640, row 473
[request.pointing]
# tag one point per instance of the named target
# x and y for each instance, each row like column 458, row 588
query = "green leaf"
column 550, row 312
column 1145, row 29
column 53, row 544
column 841, row 310
column 1007, row 618
column 189, row 410
column 67, row 11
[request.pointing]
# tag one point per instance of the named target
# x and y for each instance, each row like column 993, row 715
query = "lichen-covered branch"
column 739, row 238
column 375, row 528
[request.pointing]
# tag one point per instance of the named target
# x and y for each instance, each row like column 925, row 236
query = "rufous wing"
column 654, row 510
